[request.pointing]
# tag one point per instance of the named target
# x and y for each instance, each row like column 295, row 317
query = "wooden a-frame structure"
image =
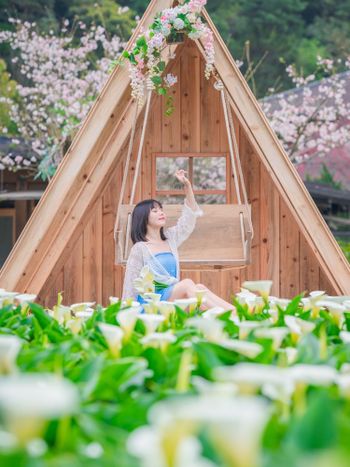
column 68, row 245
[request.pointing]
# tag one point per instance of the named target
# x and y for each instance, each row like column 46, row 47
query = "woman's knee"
column 188, row 286
column 202, row 286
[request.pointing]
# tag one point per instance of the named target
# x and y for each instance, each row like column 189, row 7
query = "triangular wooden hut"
column 68, row 242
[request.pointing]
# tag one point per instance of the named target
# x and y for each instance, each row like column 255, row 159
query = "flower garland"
column 145, row 57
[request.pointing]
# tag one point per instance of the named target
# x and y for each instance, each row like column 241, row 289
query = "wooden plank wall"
column 279, row 251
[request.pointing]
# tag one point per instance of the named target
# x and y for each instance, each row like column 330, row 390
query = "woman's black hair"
column 139, row 220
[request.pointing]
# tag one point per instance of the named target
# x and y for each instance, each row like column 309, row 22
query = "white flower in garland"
column 170, row 80
column 178, row 24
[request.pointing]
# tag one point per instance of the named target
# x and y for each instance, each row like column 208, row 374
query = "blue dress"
column 168, row 261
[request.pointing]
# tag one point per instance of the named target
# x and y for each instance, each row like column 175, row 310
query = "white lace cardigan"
column 140, row 254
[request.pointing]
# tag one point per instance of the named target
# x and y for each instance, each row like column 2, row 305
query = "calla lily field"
column 170, row 385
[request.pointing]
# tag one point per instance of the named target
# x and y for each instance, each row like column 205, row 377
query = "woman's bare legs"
column 186, row 289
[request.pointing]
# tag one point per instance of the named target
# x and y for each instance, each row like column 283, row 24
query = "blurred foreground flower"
column 28, row 400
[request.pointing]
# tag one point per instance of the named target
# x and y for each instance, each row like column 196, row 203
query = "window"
column 7, row 232
column 206, row 171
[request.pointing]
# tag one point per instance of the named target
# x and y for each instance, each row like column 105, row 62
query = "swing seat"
column 221, row 239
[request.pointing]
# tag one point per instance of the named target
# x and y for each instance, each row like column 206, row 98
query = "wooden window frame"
column 190, row 155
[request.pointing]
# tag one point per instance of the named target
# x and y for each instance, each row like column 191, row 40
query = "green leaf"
column 161, row 66
column 157, row 80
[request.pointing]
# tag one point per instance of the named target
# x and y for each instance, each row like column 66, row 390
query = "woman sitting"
column 157, row 246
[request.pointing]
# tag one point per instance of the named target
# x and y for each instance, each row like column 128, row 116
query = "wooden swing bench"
column 222, row 236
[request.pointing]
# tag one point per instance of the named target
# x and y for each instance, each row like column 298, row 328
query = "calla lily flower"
column 262, row 287
column 113, row 300
column 277, row 335
column 298, row 327
column 113, row 335
column 75, row 325
column 185, row 303
column 27, row 400
column 145, row 282
column 9, row 348
column 245, row 327
column 153, row 297
column 166, row 308
column 210, row 328
column 213, row 312
column 318, row 375
column 86, row 314
column 127, row 320
column 81, row 306
column 61, row 313
column 234, row 425
column 151, row 321
column 248, row 349
column 290, row 353
column 335, row 309
column 200, row 294
column 251, row 376
column 159, row 340
column 24, row 298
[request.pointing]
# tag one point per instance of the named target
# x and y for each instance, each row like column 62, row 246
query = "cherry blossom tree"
column 313, row 117
column 60, row 79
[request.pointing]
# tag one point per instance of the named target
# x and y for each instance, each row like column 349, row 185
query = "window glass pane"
column 168, row 199
column 211, row 199
column 209, row 173
column 165, row 172
column 6, row 229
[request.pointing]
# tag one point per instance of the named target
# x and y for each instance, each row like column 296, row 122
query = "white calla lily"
column 27, row 400
column 234, row 424
column 114, row 336
column 290, row 353
column 246, row 327
column 24, row 298
column 276, row 334
column 75, row 325
column 251, row 376
column 113, row 300
column 248, row 349
column 145, row 282
column 159, row 340
column 86, row 314
column 213, row 312
column 151, row 321
column 61, row 313
column 262, row 287
column 166, row 308
column 335, row 309
column 127, row 319
column 9, row 348
column 82, row 306
column 152, row 297
column 212, row 329
column 318, row 375
column 186, row 303
column 298, row 327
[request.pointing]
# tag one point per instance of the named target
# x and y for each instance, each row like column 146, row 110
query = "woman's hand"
column 180, row 175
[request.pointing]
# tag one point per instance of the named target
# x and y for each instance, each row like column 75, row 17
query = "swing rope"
column 150, row 88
